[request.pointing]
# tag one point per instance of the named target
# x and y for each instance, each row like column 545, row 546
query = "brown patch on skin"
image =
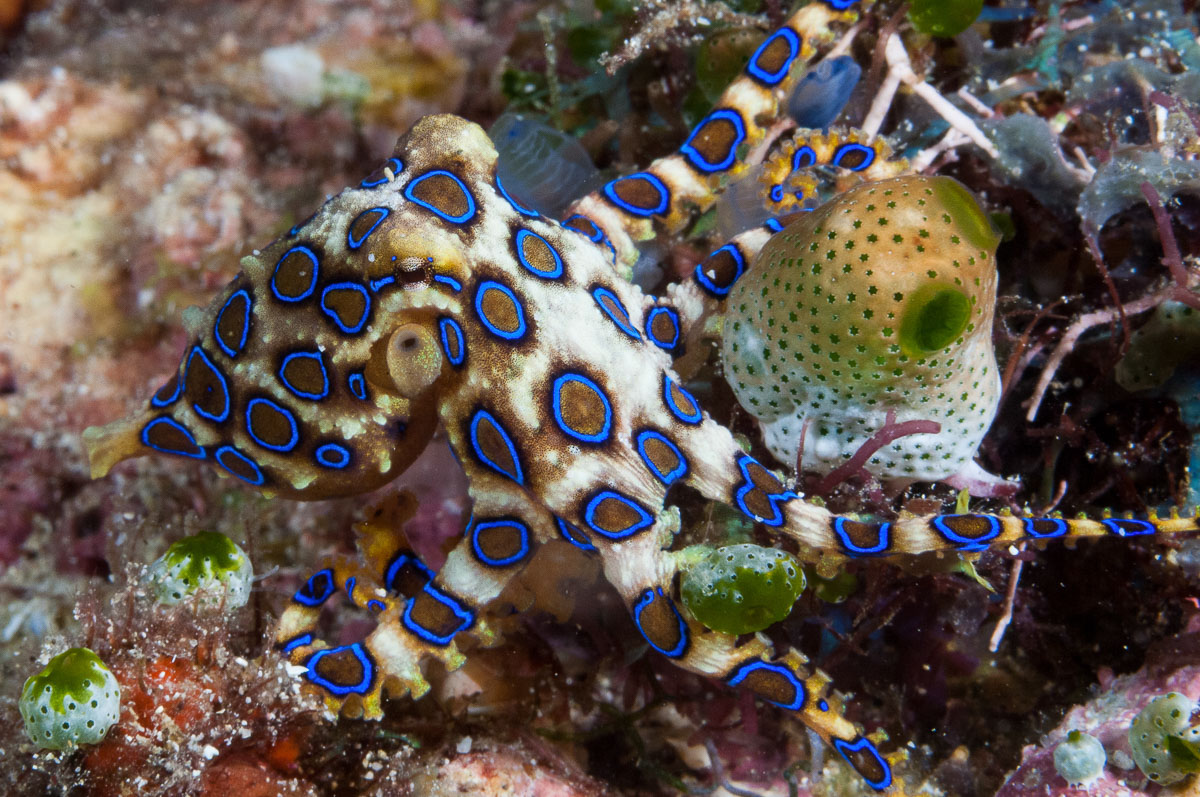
column 500, row 542
column 660, row 623
column 774, row 56
column 714, row 139
column 363, row 224
column 269, row 424
column 614, row 516
column 971, row 527
column 342, row 668
column 166, row 436
column 770, row 686
column 662, row 328
column 232, row 327
column 538, row 254
column 500, row 310
column 721, row 269
column 443, row 193
column 294, row 275
column 852, row 159
column 661, row 455
column 347, row 304
column 433, row 615
column 682, row 400
column 582, row 408
column 204, row 387
column 862, row 535
column 408, row 580
column 240, row 468
column 765, row 484
column 638, row 192
column 492, row 445
column 584, row 225
column 305, row 375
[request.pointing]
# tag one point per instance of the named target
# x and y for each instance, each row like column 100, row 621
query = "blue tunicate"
column 540, row 166
column 821, row 94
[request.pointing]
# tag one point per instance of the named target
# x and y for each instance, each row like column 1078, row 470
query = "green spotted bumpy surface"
column 874, row 310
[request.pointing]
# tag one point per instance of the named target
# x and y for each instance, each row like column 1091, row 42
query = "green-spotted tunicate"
column 74, row 700
column 743, row 588
column 873, row 310
column 207, row 564
column 1080, row 758
column 1166, row 745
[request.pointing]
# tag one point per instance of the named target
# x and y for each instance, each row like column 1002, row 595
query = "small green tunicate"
column 1166, row 746
column 739, row 589
column 74, row 700
column 944, row 17
column 1080, row 759
column 208, row 564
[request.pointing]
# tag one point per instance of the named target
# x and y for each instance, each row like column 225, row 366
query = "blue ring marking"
column 308, row 595
column 465, row 217
column 693, row 417
column 475, row 528
column 245, row 460
column 556, row 402
column 597, row 238
column 231, row 353
column 447, row 325
column 355, row 243
column 776, row 193
column 748, row 667
column 554, row 273
column 357, row 385
column 845, row 149
column 803, row 157
column 312, row 355
column 399, row 562
column 224, row 413
column 771, row 78
column 823, row 704
column 297, row 642
column 351, row 583
column 155, row 401
column 697, row 159
column 710, row 286
column 666, row 478
column 774, row 499
column 1137, row 528
column 841, row 5
column 454, row 284
column 463, row 614
column 524, row 211
column 360, row 688
column 648, row 597
column 312, row 286
column 286, row 413
column 489, row 285
column 645, row 519
column 177, row 426
column 374, row 605
column 664, row 195
column 295, row 228
column 1060, row 527
column 967, row 543
column 397, row 167
column 573, row 535
column 622, row 321
column 381, row 283
column 482, row 415
column 332, row 455
column 885, row 541
column 671, row 314
column 845, row 748
column 337, row 319
column 773, row 225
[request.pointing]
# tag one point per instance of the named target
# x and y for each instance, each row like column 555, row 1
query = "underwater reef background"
column 147, row 146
